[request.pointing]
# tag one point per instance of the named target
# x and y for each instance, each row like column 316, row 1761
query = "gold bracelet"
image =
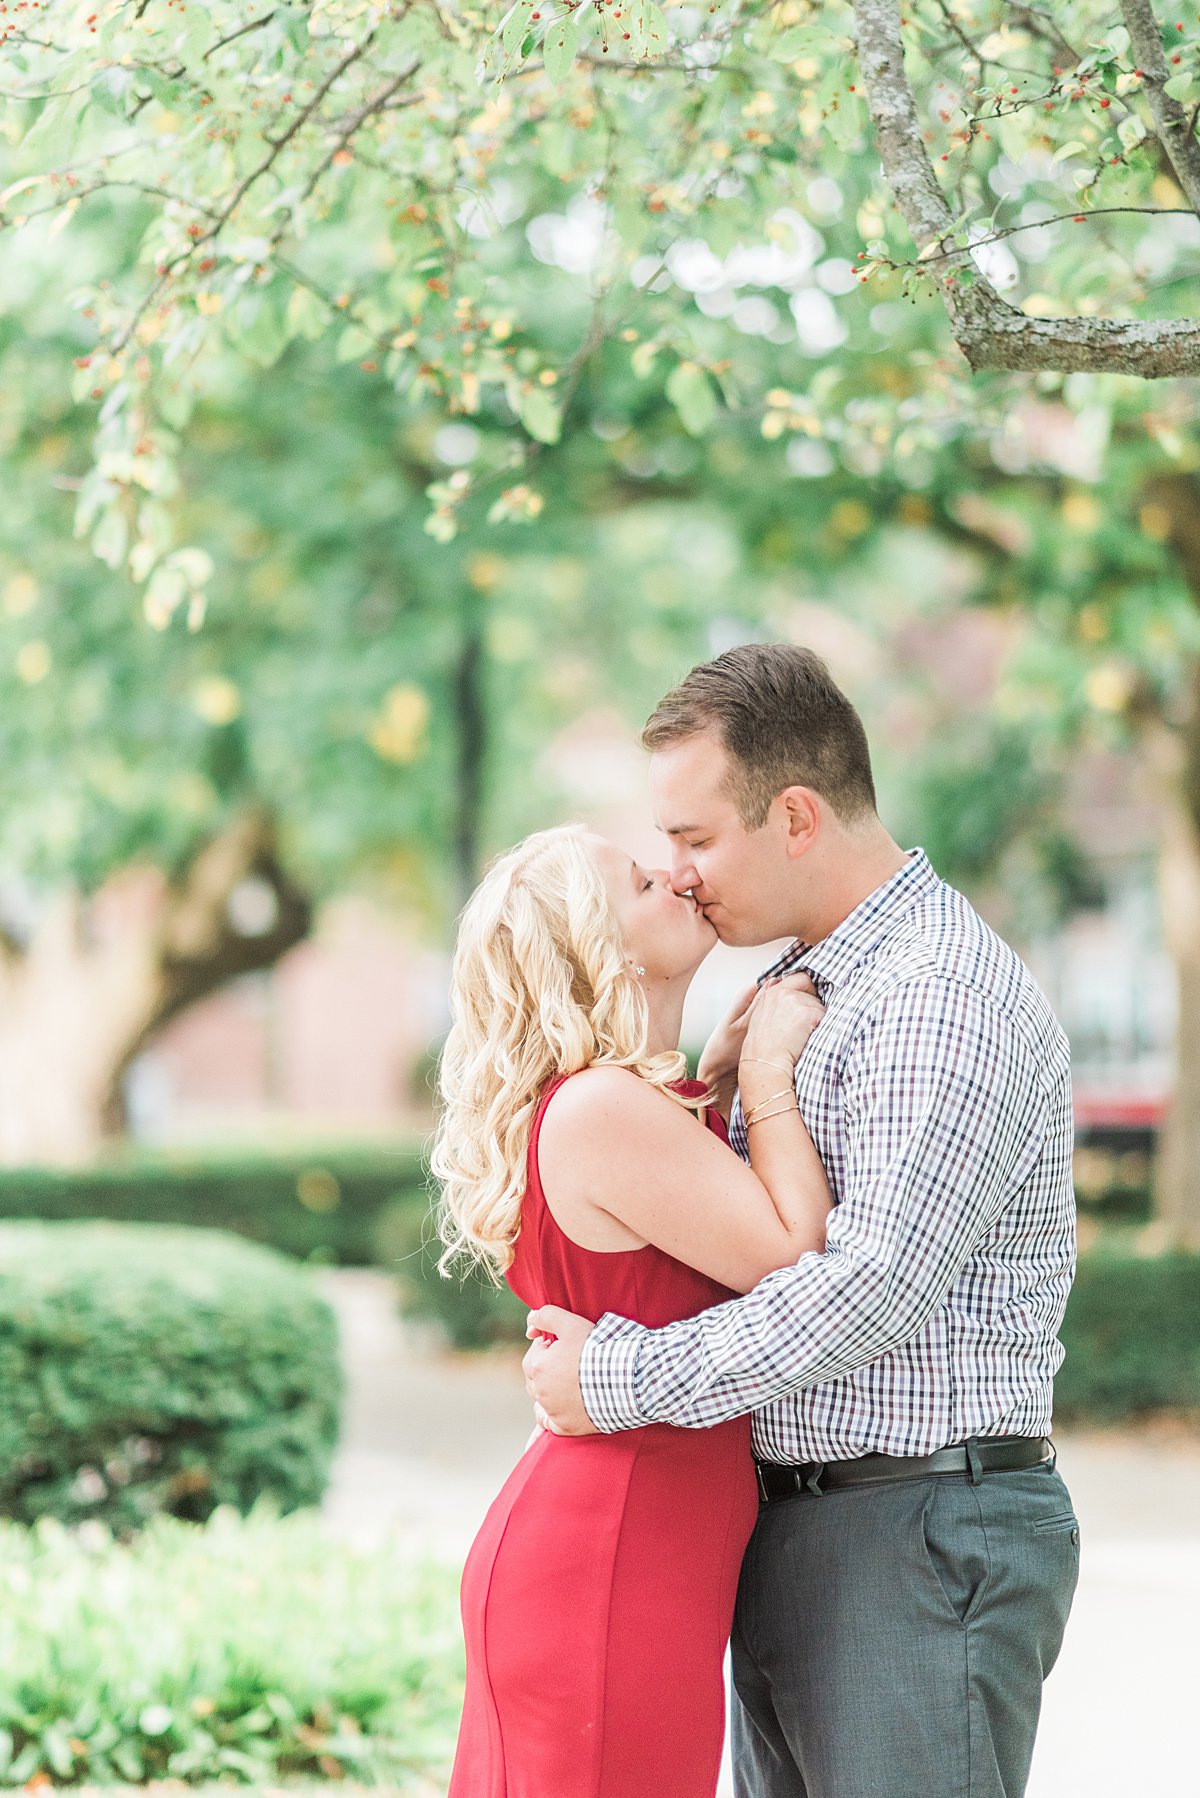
column 754, row 1111
column 764, row 1115
column 777, row 1065
column 784, row 1093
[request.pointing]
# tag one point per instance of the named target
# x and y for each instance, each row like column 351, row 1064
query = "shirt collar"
column 831, row 961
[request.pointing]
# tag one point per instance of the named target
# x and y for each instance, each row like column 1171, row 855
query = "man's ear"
column 802, row 810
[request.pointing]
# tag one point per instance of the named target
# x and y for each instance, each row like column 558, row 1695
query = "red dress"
column 597, row 1598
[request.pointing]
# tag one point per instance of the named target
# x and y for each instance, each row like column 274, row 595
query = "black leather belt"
column 982, row 1454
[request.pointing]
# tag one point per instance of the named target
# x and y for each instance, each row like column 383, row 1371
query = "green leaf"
column 164, row 596
column 197, row 35
column 647, row 28
column 642, row 359
column 110, row 538
column 560, row 47
column 111, row 91
column 846, row 121
column 691, row 393
column 1180, row 87
column 541, row 415
column 515, row 23
column 195, row 565
column 307, row 316
column 261, row 329
column 804, row 40
column 58, row 1750
column 354, row 343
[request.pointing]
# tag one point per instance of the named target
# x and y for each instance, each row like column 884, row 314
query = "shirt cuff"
column 608, row 1375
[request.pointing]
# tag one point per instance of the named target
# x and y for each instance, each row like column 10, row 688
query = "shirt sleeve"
column 943, row 1121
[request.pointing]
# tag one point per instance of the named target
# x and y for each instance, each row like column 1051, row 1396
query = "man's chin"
column 736, row 933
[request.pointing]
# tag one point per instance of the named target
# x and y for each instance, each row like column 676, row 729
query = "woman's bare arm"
column 611, row 1145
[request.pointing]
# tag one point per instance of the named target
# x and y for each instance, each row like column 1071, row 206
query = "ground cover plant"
column 249, row 1649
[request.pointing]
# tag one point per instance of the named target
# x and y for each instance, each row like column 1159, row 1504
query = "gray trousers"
column 891, row 1641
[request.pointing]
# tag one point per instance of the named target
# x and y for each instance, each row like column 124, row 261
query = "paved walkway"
column 429, row 1438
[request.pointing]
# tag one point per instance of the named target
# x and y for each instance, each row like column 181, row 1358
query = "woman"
column 576, row 1159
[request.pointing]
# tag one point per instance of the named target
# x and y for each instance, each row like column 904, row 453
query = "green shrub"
column 470, row 1310
column 1131, row 1332
column 1132, row 1337
column 250, row 1649
column 149, row 1369
column 313, row 1205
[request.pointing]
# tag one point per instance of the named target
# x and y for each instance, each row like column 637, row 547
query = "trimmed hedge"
column 470, row 1310
column 328, row 1207
column 147, row 1369
column 251, row 1649
column 1131, row 1332
column 1132, row 1337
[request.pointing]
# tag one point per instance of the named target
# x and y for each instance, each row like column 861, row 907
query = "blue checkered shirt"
column 937, row 1090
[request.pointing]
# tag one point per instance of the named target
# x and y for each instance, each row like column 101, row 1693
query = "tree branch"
column 380, row 102
column 276, row 148
column 1039, row 24
column 991, row 333
column 1055, row 218
column 200, row 947
column 1170, row 118
column 254, row 25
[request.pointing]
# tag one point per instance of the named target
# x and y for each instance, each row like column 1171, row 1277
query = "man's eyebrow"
column 680, row 830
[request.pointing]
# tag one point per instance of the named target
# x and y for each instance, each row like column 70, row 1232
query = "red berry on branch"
column 1106, row 102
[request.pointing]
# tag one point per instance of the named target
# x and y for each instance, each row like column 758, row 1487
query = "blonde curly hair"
column 541, row 986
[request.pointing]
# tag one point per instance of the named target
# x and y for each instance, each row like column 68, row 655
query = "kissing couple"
column 794, row 1322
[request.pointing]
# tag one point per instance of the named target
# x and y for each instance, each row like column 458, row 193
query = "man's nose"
column 683, row 875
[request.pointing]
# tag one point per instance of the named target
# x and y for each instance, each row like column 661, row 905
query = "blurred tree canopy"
column 466, row 206
column 434, row 372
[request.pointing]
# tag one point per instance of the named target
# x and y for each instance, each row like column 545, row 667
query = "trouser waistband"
column 974, row 1458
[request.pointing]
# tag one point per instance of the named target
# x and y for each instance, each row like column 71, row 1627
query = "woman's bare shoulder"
column 597, row 1100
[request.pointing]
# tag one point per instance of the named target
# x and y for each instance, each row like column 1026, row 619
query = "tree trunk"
column 98, row 978
column 1178, row 1174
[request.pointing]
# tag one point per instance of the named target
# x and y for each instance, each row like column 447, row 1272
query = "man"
column 916, row 1554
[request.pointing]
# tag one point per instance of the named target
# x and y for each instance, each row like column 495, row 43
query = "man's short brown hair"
column 783, row 721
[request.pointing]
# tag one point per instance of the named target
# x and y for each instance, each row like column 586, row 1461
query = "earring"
column 638, row 969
